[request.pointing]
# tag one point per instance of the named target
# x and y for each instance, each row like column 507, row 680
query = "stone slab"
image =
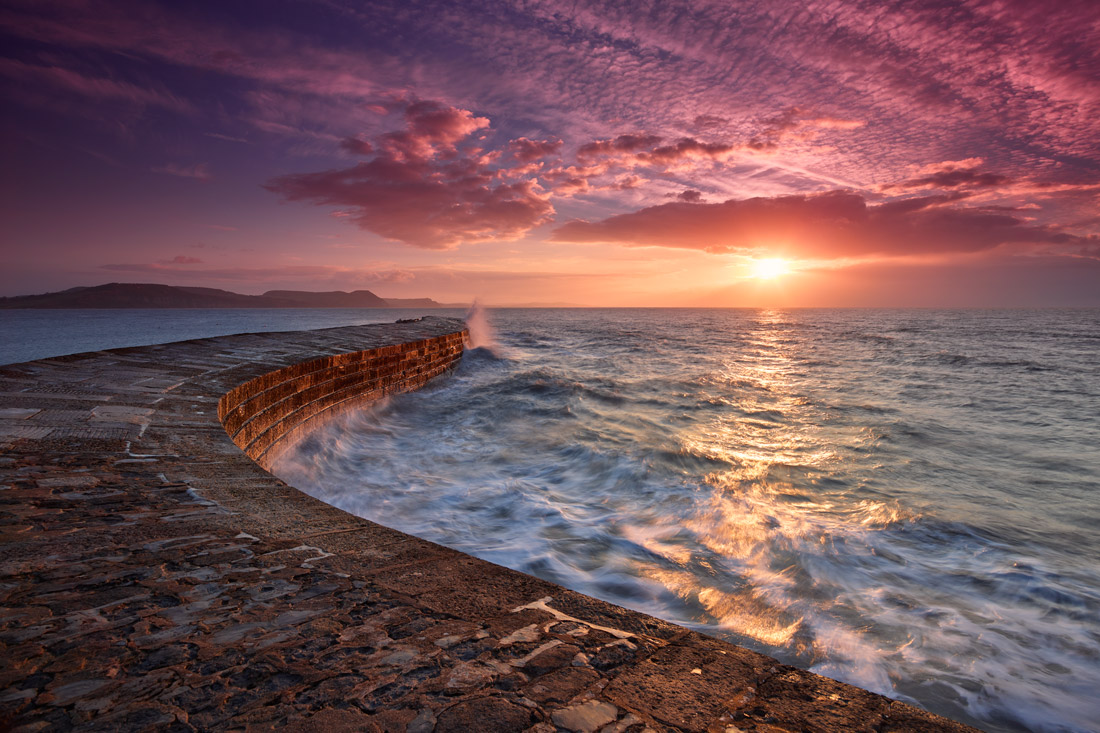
column 17, row 413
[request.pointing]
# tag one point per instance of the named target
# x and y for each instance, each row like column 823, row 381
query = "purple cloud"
column 527, row 151
column 421, row 189
column 828, row 225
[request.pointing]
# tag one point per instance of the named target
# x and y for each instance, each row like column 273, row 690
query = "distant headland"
column 151, row 295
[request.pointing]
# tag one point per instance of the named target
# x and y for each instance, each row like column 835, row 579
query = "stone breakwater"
column 153, row 576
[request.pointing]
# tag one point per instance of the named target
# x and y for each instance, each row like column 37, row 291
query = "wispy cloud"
column 95, row 87
column 227, row 138
column 198, row 171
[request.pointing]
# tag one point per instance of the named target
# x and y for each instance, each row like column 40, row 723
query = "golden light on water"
column 745, row 517
column 764, row 511
column 742, row 610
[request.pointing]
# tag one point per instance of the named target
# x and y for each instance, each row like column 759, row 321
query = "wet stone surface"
column 153, row 577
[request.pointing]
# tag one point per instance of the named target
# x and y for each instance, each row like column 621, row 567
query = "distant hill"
column 420, row 303
column 331, row 299
column 148, row 295
column 134, row 295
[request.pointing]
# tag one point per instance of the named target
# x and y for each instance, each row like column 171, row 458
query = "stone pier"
column 154, row 576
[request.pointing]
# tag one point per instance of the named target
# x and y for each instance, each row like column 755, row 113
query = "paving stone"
column 23, row 431
column 562, row 685
column 484, row 714
column 554, row 658
column 121, row 413
column 585, row 717
column 17, row 413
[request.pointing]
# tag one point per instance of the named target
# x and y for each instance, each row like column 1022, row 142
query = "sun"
column 770, row 268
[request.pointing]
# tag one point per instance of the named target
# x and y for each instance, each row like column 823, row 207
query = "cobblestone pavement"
column 152, row 577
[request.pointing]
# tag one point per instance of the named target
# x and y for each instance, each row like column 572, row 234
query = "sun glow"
column 770, row 268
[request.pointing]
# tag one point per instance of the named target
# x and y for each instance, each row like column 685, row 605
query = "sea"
column 906, row 500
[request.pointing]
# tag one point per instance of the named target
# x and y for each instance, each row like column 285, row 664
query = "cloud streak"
column 304, row 273
column 94, row 87
column 198, row 171
column 830, row 225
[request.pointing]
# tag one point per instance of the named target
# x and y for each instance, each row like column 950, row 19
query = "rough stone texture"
column 154, row 577
column 585, row 717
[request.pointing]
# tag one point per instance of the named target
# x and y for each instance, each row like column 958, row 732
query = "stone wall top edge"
column 253, row 392
column 299, row 345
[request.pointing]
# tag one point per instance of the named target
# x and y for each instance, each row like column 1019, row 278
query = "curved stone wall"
column 267, row 414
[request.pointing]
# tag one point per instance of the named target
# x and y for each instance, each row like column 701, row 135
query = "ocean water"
column 37, row 334
column 907, row 500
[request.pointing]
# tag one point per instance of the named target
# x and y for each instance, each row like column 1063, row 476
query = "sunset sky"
column 761, row 153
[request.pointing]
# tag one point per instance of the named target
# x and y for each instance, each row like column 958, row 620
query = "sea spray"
column 482, row 335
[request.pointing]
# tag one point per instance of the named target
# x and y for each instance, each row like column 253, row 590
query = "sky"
column 764, row 153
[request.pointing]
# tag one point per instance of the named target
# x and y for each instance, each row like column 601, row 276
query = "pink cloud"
column 432, row 129
column 629, row 143
column 627, row 182
column 834, row 123
column 964, row 174
column 797, row 122
column 691, row 196
column 527, row 151
column 703, row 122
column 1006, row 193
column 685, row 149
column 182, row 260
column 638, row 150
column 599, row 158
column 422, row 190
column 828, row 225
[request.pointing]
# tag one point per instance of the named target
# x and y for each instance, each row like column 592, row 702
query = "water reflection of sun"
column 766, row 538
column 753, row 521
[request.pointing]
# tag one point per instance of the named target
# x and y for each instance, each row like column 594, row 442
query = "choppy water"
column 904, row 500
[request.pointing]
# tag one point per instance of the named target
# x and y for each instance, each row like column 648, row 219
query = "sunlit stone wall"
column 267, row 414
